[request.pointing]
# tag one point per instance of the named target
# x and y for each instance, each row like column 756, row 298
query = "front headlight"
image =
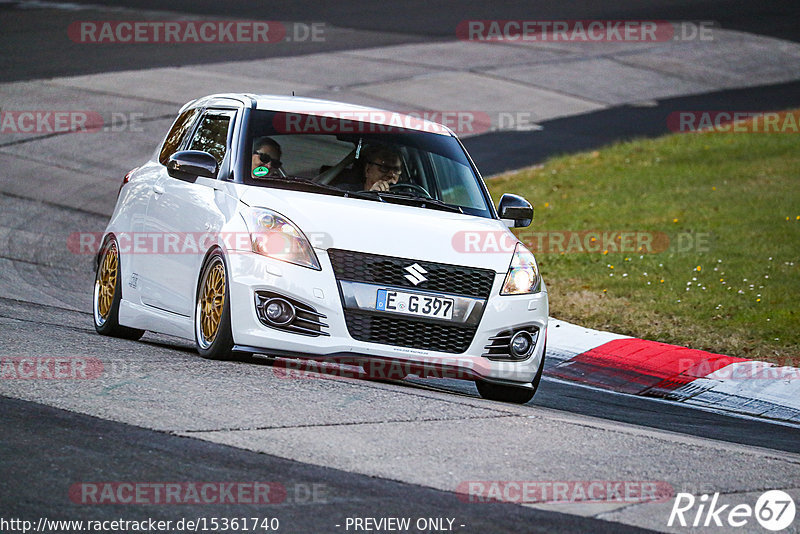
column 523, row 273
column 275, row 236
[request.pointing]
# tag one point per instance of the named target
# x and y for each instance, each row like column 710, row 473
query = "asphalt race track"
column 400, row 22
column 340, row 447
column 316, row 497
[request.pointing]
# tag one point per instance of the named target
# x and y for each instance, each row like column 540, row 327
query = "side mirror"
column 515, row 208
column 188, row 165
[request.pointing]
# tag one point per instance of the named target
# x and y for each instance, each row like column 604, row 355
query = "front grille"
column 412, row 333
column 386, row 270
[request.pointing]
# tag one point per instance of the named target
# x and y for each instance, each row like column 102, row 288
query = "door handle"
column 157, row 189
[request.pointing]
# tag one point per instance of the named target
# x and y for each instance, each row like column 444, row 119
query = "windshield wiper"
column 380, row 196
column 289, row 179
column 323, row 188
column 419, row 201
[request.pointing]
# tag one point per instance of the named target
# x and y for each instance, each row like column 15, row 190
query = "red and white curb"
column 696, row 377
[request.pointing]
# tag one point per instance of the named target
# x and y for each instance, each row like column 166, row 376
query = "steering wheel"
column 410, row 187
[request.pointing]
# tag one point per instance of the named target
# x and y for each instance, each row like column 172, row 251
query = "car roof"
column 329, row 108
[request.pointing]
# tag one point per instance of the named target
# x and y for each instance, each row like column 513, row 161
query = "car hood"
column 391, row 229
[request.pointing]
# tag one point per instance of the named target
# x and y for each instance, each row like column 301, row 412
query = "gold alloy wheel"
column 212, row 300
column 107, row 281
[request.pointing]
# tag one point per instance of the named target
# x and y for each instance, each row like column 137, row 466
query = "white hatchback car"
column 302, row 228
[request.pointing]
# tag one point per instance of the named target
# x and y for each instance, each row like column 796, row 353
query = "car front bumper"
column 249, row 273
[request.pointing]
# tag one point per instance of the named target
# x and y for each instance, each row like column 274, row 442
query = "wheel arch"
column 103, row 243
column 211, row 250
column 98, row 256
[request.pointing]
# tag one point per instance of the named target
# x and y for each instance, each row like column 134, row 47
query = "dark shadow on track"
column 72, row 449
column 594, row 130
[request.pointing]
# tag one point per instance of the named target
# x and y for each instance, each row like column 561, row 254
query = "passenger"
column 266, row 158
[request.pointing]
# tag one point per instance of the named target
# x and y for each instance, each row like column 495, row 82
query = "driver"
column 382, row 168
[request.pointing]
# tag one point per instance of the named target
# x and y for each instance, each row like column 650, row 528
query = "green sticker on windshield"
column 260, row 171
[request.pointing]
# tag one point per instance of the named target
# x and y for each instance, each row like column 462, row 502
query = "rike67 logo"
column 774, row 510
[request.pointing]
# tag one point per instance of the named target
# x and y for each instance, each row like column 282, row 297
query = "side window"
column 176, row 134
column 212, row 136
column 456, row 182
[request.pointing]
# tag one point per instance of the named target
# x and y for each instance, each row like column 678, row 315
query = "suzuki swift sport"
column 300, row 228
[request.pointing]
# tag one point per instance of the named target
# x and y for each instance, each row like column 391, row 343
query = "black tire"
column 512, row 394
column 107, row 295
column 212, row 318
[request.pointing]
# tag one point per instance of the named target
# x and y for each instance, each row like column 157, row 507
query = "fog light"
column 279, row 311
column 521, row 344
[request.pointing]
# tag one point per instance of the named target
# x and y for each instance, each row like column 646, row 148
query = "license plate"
column 414, row 304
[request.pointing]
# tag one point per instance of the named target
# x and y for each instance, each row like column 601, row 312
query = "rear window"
column 212, row 136
column 176, row 134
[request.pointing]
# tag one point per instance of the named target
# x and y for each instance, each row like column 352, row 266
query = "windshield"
column 393, row 164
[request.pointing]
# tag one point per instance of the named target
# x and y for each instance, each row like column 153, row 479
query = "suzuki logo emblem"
column 415, row 274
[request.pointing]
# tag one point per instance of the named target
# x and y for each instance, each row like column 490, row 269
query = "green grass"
column 729, row 203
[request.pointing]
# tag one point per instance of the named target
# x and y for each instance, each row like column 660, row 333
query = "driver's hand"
column 382, row 185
